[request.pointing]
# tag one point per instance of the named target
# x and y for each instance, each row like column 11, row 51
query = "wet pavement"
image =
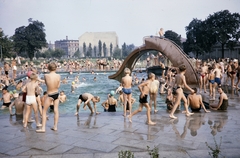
column 106, row 134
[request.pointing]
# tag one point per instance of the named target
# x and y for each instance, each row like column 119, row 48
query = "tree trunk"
column 223, row 50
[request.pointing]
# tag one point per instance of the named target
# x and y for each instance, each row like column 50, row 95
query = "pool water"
column 101, row 87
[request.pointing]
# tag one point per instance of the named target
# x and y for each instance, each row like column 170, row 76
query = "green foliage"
column 125, row 154
column 225, row 27
column 215, row 152
column 95, row 51
column 154, row 152
column 221, row 27
column 30, row 38
column 6, row 46
column 58, row 53
column 84, row 48
column 127, row 49
column 173, row 36
column 77, row 54
column 117, row 53
column 111, row 49
column 99, row 48
column 104, row 49
column 89, row 51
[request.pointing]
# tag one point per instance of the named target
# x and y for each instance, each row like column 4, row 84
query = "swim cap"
column 73, row 82
column 112, row 93
column 29, row 73
column 14, row 91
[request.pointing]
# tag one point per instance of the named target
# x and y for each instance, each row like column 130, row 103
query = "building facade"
column 93, row 37
column 68, row 46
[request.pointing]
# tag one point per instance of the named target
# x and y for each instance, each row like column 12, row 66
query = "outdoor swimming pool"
column 101, row 87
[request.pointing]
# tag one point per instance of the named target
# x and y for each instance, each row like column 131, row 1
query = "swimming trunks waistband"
column 127, row 90
column 54, row 96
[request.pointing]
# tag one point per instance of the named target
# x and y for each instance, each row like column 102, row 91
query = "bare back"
column 52, row 81
column 31, row 87
column 127, row 81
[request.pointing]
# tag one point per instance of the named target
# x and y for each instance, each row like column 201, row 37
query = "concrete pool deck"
column 106, row 134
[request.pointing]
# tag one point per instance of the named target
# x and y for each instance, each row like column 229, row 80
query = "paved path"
column 104, row 135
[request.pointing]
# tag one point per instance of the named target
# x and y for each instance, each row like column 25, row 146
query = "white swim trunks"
column 30, row 99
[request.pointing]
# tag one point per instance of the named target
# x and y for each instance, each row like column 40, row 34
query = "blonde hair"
column 127, row 71
column 150, row 75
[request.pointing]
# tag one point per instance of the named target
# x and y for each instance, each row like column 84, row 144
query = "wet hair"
column 44, row 93
column 97, row 97
column 5, row 88
column 52, row 66
column 182, row 68
column 195, row 89
column 193, row 133
column 127, row 71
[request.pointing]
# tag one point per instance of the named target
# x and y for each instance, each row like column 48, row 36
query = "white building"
column 94, row 37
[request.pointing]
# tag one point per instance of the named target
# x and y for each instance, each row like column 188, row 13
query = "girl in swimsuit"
column 180, row 81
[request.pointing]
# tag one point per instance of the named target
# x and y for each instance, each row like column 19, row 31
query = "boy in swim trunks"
column 6, row 97
column 52, row 80
column 127, row 90
column 144, row 89
column 31, row 88
column 86, row 98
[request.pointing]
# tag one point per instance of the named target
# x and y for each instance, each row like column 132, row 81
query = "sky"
column 132, row 20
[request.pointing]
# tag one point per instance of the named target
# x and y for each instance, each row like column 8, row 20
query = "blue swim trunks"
column 212, row 81
column 127, row 90
column 218, row 80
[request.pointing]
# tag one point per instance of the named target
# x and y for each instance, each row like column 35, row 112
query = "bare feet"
column 39, row 125
column 54, row 129
column 172, row 116
column 76, row 113
column 129, row 118
column 97, row 113
column 155, row 111
column 30, row 121
column 189, row 114
column 40, row 131
column 124, row 115
column 184, row 112
column 151, row 123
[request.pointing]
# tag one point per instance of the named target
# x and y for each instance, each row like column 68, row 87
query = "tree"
column 95, row 51
column 225, row 28
column 89, row 52
column 173, row 36
column 6, row 46
column 58, row 53
column 124, row 50
column 111, row 50
column 104, row 49
column 30, row 38
column 77, row 54
column 99, row 48
column 199, row 38
column 117, row 53
column 84, row 48
column 127, row 49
